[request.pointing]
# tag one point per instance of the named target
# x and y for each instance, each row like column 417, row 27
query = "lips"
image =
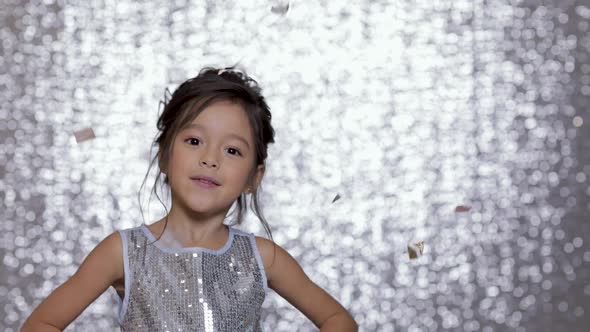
column 206, row 179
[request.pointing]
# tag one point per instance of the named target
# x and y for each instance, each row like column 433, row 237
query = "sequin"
column 214, row 290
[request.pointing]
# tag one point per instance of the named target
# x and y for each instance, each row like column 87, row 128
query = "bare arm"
column 102, row 266
column 287, row 278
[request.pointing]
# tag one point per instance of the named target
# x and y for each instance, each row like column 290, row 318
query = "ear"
column 258, row 176
column 162, row 166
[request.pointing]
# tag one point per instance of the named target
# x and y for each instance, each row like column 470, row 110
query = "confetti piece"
column 336, row 198
column 462, row 208
column 281, row 9
column 415, row 250
column 84, row 135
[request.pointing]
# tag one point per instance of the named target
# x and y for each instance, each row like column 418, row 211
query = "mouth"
column 205, row 181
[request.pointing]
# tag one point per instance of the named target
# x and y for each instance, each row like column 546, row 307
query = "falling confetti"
column 280, row 9
column 336, row 198
column 415, row 250
column 523, row 63
column 462, row 208
column 84, row 135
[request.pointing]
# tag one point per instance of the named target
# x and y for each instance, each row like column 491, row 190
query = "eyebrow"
column 236, row 136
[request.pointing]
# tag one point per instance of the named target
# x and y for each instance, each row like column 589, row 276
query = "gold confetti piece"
column 416, row 250
column 336, row 198
column 462, row 208
column 84, row 135
column 281, row 9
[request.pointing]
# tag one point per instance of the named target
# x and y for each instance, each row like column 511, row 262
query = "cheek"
column 237, row 176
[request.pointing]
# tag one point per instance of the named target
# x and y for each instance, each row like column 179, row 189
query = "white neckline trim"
column 226, row 246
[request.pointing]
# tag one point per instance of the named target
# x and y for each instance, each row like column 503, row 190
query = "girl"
column 189, row 271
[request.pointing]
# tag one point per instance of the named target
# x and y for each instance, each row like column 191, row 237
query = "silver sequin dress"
column 191, row 289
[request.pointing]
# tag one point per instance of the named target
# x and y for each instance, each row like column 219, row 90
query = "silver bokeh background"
column 405, row 109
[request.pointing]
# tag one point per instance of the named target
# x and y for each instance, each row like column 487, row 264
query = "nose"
column 206, row 160
column 205, row 163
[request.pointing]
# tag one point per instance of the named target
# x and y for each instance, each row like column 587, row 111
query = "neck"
column 194, row 229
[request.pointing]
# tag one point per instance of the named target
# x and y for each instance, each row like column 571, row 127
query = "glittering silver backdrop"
column 463, row 124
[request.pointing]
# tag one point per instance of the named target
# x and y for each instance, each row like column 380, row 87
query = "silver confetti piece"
column 280, row 9
column 336, row 198
column 415, row 250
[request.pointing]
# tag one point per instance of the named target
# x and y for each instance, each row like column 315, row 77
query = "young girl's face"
column 219, row 144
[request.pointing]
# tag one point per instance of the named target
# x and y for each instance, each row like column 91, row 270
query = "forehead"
column 222, row 118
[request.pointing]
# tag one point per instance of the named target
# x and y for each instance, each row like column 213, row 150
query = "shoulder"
column 275, row 258
column 266, row 248
column 108, row 254
column 112, row 248
column 104, row 263
column 114, row 241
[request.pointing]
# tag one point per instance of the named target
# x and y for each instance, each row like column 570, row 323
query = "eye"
column 191, row 139
column 238, row 151
column 196, row 139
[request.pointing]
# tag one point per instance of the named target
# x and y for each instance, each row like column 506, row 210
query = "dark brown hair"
column 191, row 98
